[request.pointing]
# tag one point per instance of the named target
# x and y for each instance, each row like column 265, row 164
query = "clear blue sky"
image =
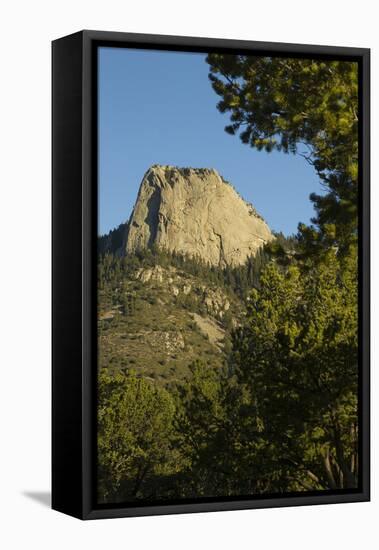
column 158, row 107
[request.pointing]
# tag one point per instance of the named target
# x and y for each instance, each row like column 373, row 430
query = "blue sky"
column 158, row 107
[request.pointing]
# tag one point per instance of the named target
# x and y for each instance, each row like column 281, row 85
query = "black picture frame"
column 74, row 205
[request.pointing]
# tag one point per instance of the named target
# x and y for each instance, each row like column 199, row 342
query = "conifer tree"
column 303, row 106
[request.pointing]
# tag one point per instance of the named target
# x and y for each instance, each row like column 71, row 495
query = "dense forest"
column 275, row 411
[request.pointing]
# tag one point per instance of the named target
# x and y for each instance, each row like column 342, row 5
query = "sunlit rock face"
column 194, row 211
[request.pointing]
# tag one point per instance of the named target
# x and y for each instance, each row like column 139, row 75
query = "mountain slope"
column 158, row 319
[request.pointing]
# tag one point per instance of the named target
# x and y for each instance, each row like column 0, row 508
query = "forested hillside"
column 183, row 349
column 158, row 311
column 222, row 379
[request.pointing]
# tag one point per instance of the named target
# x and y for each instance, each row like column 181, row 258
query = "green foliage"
column 113, row 241
column 300, row 106
column 134, row 431
column 281, row 417
column 114, row 269
column 208, row 427
column 128, row 303
column 203, row 433
column 298, row 357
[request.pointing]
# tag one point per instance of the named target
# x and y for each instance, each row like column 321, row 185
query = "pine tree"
column 303, row 106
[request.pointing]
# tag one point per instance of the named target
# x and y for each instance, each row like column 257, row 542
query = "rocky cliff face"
column 195, row 212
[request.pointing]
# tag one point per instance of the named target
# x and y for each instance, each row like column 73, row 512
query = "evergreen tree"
column 303, row 106
column 297, row 356
column 134, row 436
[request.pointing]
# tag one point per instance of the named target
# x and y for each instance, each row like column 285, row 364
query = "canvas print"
column 227, row 315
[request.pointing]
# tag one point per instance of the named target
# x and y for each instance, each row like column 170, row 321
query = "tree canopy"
column 303, row 106
column 298, row 356
column 134, row 428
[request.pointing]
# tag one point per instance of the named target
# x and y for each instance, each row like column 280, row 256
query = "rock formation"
column 197, row 213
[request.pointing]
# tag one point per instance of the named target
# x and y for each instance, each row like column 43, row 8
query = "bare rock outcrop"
column 197, row 213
